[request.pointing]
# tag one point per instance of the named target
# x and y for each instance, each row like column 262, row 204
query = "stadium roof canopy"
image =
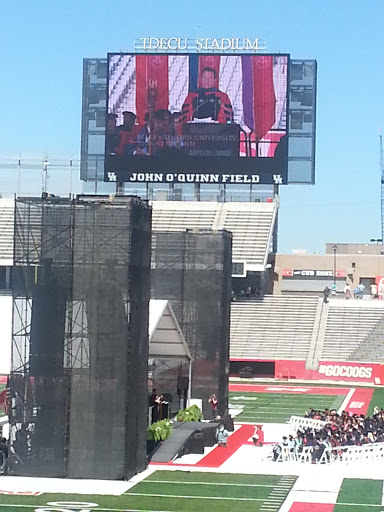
column 165, row 337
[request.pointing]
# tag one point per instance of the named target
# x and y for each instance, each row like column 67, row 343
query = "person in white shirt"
column 347, row 291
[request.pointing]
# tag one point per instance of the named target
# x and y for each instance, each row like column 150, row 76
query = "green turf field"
column 360, row 495
column 279, row 407
column 174, row 491
column 180, row 491
column 377, row 399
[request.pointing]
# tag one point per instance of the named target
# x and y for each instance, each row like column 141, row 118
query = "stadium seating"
column 276, row 327
column 250, row 223
column 7, row 207
column 301, row 328
column 251, row 234
column 371, row 349
column 350, row 327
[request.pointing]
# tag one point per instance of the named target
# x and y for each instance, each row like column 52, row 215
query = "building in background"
column 350, row 263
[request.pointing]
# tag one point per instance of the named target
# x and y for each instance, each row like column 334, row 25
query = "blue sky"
column 42, row 45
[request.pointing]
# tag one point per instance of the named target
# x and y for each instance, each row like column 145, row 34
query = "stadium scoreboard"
column 197, row 118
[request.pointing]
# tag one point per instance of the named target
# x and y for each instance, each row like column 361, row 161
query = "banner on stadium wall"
column 312, row 274
column 331, row 370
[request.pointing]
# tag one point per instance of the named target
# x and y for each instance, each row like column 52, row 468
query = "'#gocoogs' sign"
column 340, row 370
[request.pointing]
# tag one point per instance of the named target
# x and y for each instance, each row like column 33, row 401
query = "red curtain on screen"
column 264, row 99
column 259, row 99
column 152, row 88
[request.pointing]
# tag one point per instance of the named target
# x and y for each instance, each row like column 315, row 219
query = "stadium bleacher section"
column 372, row 347
column 7, row 208
column 301, row 328
column 273, row 327
column 349, row 326
column 250, row 223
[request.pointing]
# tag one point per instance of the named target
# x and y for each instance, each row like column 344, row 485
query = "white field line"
column 382, row 496
column 346, row 400
column 300, row 398
column 205, row 483
column 274, row 398
column 47, row 507
column 190, row 497
column 356, row 504
column 265, row 413
column 286, row 404
column 263, row 404
column 267, row 407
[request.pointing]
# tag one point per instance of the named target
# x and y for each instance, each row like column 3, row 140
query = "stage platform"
column 188, row 437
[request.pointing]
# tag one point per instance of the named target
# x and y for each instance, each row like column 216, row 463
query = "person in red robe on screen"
column 207, row 102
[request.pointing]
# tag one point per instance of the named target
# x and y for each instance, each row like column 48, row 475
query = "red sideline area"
column 3, row 379
column 220, row 454
column 313, row 507
column 360, row 401
column 305, row 390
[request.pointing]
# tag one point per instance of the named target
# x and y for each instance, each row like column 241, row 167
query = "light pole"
column 377, row 240
column 334, row 263
column 44, row 176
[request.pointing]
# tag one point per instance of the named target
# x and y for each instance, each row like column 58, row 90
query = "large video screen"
column 197, row 118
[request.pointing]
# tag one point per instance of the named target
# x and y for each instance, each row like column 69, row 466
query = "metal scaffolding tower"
column 79, row 370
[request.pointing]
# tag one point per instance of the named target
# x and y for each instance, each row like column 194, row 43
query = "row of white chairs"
column 298, row 422
column 368, row 453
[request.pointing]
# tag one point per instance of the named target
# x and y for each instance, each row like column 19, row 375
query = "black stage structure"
column 192, row 269
column 80, row 337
